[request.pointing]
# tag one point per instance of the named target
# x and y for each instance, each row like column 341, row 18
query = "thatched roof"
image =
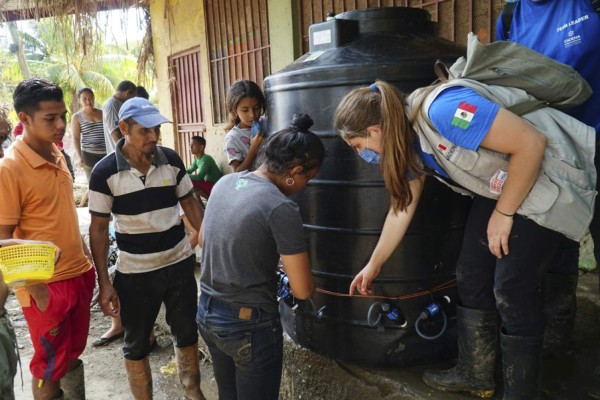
column 82, row 28
column 13, row 10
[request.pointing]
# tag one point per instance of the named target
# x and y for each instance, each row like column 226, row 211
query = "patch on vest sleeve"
column 497, row 181
column 464, row 115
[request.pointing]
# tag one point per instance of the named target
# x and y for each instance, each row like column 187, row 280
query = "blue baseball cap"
column 145, row 113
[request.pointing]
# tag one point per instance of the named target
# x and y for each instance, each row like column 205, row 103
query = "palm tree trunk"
column 16, row 38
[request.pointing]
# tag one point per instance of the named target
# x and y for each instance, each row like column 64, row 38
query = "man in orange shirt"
column 37, row 204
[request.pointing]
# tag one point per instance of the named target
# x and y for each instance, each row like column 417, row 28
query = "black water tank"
column 344, row 207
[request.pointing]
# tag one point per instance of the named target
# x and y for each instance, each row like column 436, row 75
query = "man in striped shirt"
column 142, row 185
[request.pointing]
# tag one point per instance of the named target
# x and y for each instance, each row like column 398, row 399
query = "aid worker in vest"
column 566, row 31
column 496, row 156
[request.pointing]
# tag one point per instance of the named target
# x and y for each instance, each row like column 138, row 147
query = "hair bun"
column 302, row 121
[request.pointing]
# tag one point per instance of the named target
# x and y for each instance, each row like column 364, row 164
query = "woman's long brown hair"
column 364, row 107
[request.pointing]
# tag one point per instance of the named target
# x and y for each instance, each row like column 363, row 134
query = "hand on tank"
column 362, row 281
column 498, row 232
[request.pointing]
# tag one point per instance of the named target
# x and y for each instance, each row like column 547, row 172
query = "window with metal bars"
column 238, row 43
column 186, row 98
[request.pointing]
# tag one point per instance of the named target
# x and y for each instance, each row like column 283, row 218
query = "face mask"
column 369, row 155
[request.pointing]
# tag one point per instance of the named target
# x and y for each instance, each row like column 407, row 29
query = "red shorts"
column 59, row 334
column 204, row 185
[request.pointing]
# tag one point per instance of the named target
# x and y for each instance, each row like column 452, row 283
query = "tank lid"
column 391, row 20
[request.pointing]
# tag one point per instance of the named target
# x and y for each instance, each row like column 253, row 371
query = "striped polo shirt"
column 148, row 228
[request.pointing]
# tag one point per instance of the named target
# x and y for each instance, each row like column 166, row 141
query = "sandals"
column 103, row 341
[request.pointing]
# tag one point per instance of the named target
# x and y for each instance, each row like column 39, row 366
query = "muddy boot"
column 188, row 368
column 522, row 366
column 559, row 308
column 140, row 378
column 73, row 383
column 477, row 339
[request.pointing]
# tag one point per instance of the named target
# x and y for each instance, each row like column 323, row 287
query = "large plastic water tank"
column 344, row 207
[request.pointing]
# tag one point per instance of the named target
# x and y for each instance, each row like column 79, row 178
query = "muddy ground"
column 564, row 379
column 104, row 372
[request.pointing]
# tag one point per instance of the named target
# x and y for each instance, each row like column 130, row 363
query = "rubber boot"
column 73, row 384
column 477, row 340
column 559, row 308
column 188, row 369
column 140, row 378
column 522, row 366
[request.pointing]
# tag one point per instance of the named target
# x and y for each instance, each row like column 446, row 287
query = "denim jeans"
column 510, row 284
column 246, row 346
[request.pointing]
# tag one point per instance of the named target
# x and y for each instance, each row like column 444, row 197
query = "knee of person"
column 136, row 353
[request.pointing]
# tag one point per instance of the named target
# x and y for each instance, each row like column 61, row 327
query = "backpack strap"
column 528, row 106
column 442, row 71
column 507, row 17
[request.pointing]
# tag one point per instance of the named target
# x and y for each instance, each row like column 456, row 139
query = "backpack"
column 510, row 64
column 508, row 10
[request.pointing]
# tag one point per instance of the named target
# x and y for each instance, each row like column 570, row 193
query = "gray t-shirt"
column 248, row 223
column 110, row 120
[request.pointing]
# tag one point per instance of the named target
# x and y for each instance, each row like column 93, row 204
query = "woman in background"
column 88, row 132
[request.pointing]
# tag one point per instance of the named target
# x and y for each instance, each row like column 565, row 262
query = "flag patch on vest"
column 464, row 115
column 497, row 181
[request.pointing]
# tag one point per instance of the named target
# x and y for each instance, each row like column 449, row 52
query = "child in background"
column 245, row 103
column 203, row 170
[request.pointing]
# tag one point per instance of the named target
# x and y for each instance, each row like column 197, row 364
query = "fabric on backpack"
column 510, row 64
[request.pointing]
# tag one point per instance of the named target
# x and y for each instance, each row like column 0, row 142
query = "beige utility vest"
column 562, row 198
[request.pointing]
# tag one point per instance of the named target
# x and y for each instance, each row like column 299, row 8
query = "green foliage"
column 60, row 50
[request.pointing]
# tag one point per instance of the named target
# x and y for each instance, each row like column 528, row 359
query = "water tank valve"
column 389, row 311
column 431, row 310
column 284, row 291
column 393, row 314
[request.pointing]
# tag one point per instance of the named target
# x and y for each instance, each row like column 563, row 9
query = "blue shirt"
column 462, row 116
column 567, row 31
